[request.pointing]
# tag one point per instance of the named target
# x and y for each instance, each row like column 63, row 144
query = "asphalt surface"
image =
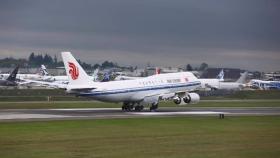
column 102, row 113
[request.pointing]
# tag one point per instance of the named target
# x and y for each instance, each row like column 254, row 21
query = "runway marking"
column 180, row 113
column 84, row 109
column 29, row 116
column 78, row 113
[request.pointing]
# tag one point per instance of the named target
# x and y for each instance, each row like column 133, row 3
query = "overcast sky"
column 223, row 33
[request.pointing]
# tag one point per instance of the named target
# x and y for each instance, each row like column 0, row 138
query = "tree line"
column 36, row 60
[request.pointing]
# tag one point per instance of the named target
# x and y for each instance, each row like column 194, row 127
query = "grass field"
column 19, row 95
column 94, row 104
column 192, row 137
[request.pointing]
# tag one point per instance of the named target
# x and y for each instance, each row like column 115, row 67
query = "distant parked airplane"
column 216, row 84
column 59, row 82
column 11, row 80
column 264, row 85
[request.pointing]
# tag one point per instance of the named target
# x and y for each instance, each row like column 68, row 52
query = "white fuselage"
column 22, row 76
column 139, row 89
column 56, row 78
column 209, row 83
column 264, row 85
column 217, row 84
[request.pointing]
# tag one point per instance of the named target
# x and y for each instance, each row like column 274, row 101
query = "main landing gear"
column 154, row 106
column 127, row 106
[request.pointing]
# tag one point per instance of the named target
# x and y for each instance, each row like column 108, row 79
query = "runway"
column 102, row 113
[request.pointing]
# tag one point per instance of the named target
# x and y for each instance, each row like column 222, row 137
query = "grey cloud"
column 170, row 30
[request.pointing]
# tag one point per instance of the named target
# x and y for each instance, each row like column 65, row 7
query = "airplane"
column 11, row 80
column 134, row 94
column 218, row 84
column 21, row 76
column 43, row 75
column 212, row 83
column 49, row 78
column 264, row 85
column 57, row 82
column 63, row 78
column 237, row 85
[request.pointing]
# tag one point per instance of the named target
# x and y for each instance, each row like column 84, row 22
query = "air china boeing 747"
column 134, row 94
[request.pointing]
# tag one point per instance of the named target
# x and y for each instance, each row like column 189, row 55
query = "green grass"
column 31, row 92
column 192, row 137
column 8, row 95
column 95, row 104
column 57, row 104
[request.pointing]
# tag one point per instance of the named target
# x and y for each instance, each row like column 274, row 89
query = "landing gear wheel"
column 139, row 108
column 154, row 107
column 127, row 106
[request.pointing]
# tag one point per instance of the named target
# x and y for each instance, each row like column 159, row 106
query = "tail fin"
column 221, row 75
column 95, row 74
column 44, row 70
column 106, row 77
column 242, row 78
column 13, row 75
column 76, row 74
column 157, row 70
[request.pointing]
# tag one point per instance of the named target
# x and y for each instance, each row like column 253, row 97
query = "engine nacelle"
column 177, row 100
column 191, row 98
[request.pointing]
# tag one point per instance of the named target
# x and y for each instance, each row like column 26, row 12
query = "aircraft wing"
column 45, row 83
column 211, row 87
column 155, row 97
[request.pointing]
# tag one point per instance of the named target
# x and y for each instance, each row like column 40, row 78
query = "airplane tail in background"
column 242, row 78
column 13, row 75
column 95, row 74
column 44, row 71
column 106, row 77
column 157, row 70
column 76, row 74
column 221, row 75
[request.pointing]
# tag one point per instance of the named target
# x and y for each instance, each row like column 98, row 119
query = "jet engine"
column 177, row 100
column 190, row 98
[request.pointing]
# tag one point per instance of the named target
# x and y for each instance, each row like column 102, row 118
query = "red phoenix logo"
column 74, row 71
